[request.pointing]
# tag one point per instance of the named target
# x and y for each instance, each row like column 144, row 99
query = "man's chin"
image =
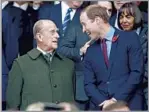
column 55, row 47
column 93, row 37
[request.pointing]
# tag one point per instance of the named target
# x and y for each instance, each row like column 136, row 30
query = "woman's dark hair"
column 131, row 9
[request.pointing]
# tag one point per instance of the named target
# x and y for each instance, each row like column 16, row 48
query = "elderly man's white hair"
column 39, row 25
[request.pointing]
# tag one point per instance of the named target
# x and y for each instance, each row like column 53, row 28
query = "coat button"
column 54, row 85
column 57, row 102
column 29, row 14
column 108, row 82
column 52, row 71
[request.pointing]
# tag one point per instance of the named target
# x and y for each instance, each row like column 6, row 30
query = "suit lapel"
column 60, row 15
column 76, row 18
column 113, row 52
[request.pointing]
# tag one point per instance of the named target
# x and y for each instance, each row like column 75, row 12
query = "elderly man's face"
column 50, row 36
column 89, row 26
column 74, row 4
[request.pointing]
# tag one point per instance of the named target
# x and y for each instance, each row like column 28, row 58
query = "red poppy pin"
column 114, row 39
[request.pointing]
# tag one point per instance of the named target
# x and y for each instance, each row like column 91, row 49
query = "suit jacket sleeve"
column 90, row 82
column 14, row 88
column 136, row 65
column 5, row 35
column 5, row 69
column 67, row 45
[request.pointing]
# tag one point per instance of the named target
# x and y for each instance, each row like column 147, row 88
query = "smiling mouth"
column 125, row 26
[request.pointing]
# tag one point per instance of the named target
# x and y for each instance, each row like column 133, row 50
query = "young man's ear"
column 98, row 20
column 39, row 37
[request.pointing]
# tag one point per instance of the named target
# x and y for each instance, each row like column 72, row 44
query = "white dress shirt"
column 36, row 6
column 4, row 4
column 43, row 52
column 23, row 7
column 65, row 7
column 138, row 30
column 116, row 21
column 56, row 2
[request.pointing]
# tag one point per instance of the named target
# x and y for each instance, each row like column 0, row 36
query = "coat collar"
column 35, row 53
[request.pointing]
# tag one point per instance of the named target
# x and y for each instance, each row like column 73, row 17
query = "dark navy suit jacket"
column 10, row 35
column 53, row 12
column 20, row 39
column 124, row 75
column 12, row 39
column 5, row 69
column 69, row 46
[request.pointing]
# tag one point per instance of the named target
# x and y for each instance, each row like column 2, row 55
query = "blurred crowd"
column 19, row 37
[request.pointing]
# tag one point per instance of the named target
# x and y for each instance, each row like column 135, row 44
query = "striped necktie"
column 48, row 57
column 67, row 19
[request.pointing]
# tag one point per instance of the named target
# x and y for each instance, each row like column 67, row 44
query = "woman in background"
column 130, row 19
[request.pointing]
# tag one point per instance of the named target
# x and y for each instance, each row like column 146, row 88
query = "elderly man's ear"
column 39, row 37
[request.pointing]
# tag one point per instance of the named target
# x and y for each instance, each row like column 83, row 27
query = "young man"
column 113, row 65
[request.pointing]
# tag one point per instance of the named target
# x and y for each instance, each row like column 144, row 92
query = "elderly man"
column 113, row 65
column 66, row 15
column 41, row 74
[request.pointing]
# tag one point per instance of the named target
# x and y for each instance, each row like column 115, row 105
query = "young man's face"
column 89, row 26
